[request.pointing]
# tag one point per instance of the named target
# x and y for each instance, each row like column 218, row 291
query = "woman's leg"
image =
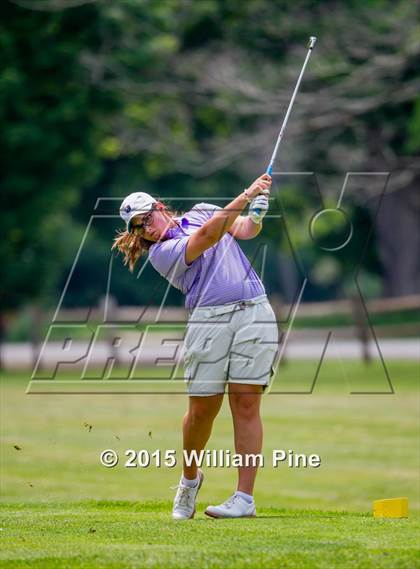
column 198, row 422
column 244, row 401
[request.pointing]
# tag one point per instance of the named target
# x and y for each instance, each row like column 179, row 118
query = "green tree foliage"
column 52, row 117
column 185, row 98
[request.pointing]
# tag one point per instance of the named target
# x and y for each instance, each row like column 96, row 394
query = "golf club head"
column 311, row 42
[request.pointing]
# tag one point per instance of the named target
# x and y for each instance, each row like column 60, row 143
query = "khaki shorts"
column 233, row 343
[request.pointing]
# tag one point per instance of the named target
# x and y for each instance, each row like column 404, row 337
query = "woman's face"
column 156, row 224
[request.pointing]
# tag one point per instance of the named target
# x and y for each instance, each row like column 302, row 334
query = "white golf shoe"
column 184, row 501
column 234, row 507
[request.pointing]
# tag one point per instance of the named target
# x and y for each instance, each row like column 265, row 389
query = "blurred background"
column 184, row 99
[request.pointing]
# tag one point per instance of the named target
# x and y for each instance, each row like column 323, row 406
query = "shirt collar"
column 182, row 224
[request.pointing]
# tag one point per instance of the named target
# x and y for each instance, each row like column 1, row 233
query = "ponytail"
column 132, row 247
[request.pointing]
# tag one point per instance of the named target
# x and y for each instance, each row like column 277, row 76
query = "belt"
column 209, row 311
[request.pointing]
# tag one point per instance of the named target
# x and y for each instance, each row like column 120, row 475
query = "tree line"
column 184, row 98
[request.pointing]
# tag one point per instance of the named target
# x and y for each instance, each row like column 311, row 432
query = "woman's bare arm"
column 244, row 228
column 221, row 222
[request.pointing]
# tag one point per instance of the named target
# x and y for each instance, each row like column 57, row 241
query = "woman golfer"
column 232, row 333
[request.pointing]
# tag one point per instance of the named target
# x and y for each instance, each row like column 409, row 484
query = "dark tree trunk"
column 398, row 234
column 2, row 337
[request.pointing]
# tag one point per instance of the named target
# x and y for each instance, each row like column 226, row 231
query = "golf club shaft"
column 311, row 44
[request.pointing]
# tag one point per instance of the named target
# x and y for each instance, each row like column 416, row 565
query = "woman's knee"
column 245, row 405
column 203, row 409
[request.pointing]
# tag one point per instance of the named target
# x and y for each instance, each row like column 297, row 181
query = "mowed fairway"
column 61, row 508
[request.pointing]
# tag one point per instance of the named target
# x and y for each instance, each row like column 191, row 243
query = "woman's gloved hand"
column 257, row 194
column 258, row 208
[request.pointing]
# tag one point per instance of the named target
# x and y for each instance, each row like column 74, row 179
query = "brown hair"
column 131, row 244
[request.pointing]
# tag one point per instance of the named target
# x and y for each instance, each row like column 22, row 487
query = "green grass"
column 61, row 508
column 125, row 534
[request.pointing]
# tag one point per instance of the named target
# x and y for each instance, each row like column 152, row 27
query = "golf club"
column 311, row 44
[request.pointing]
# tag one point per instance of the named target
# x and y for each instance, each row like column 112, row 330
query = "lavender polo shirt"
column 220, row 275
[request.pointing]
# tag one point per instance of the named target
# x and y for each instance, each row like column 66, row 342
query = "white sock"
column 247, row 497
column 189, row 483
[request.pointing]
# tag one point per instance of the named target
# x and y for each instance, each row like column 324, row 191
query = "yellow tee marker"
column 391, row 508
